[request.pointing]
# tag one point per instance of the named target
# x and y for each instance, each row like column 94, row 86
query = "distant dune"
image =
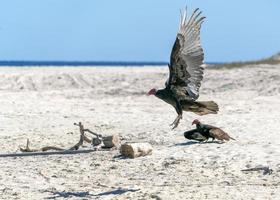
column 273, row 60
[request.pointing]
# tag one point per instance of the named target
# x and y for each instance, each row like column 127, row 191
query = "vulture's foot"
column 176, row 121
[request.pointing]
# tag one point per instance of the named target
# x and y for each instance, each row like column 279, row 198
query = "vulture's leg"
column 179, row 111
column 176, row 121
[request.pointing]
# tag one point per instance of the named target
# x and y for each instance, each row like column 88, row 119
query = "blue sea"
column 82, row 63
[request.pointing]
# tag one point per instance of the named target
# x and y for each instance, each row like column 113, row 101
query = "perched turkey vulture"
column 185, row 71
column 206, row 131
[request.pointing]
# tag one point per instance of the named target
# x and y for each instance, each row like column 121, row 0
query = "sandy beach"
column 42, row 103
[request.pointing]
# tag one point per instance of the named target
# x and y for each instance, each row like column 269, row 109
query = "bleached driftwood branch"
column 266, row 170
column 75, row 147
column 109, row 142
column 41, row 153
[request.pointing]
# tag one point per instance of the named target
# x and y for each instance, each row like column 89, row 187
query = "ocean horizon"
column 31, row 63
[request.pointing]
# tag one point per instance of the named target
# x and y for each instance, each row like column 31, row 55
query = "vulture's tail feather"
column 232, row 138
column 210, row 105
column 207, row 107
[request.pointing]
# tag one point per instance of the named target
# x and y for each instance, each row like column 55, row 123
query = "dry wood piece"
column 82, row 136
column 43, row 153
column 266, row 170
column 47, row 148
column 133, row 150
column 27, row 149
column 82, row 139
column 97, row 142
column 111, row 141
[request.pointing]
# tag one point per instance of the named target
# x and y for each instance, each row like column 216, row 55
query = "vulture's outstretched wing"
column 186, row 58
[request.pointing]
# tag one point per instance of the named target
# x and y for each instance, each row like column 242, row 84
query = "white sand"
column 43, row 103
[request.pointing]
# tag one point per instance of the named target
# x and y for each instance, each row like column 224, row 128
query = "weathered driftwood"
column 75, row 147
column 97, row 142
column 47, row 148
column 82, row 137
column 111, row 141
column 41, row 153
column 133, row 150
column 266, row 170
column 26, row 149
column 108, row 142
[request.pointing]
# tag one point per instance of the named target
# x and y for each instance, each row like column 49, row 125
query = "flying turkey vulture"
column 185, row 71
column 204, row 132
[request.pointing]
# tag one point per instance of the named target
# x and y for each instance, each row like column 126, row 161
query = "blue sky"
column 125, row 30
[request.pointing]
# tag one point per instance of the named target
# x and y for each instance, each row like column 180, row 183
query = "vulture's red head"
column 196, row 121
column 152, row 92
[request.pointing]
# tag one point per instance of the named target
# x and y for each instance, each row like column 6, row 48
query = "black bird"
column 186, row 71
column 204, row 131
column 195, row 135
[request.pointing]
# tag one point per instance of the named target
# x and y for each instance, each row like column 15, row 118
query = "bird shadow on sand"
column 116, row 192
column 121, row 157
column 65, row 194
column 197, row 143
column 87, row 195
